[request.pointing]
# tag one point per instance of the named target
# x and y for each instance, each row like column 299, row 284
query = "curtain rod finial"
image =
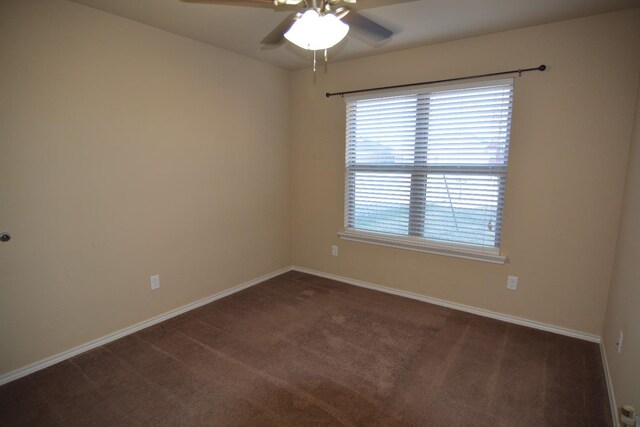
column 542, row 67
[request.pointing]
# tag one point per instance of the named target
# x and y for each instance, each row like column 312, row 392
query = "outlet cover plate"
column 155, row 282
column 619, row 342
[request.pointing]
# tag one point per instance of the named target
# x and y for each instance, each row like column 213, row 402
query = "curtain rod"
column 501, row 73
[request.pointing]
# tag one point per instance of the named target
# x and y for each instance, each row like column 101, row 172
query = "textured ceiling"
column 240, row 28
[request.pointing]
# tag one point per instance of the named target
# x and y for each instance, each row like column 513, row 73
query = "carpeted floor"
column 303, row 350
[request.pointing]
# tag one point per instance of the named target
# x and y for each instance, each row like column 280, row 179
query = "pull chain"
column 315, row 62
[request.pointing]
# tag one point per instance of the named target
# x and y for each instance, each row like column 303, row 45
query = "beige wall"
column 126, row 151
column 569, row 146
column 623, row 310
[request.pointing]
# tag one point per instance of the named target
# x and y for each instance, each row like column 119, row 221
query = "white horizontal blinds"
column 380, row 145
column 431, row 164
column 464, row 208
column 380, row 202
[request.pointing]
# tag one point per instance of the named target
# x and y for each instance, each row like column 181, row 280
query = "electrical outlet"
column 155, row 282
column 512, row 283
column 334, row 250
column 619, row 342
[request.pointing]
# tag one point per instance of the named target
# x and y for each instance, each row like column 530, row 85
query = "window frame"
column 415, row 240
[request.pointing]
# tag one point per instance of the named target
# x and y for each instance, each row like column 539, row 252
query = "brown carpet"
column 303, row 350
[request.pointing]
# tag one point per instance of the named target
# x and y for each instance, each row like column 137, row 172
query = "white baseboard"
column 21, row 372
column 607, row 377
column 469, row 309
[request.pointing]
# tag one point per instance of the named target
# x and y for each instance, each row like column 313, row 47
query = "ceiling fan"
column 320, row 24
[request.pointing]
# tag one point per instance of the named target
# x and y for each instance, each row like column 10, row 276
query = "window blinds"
column 430, row 164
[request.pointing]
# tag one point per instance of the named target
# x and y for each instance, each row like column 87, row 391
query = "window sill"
column 458, row 251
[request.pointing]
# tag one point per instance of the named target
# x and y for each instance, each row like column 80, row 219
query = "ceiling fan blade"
column 276, row 36
column 250, row 3
column 370, row 4
column 366, row 26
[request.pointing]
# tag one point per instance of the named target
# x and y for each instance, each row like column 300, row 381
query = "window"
column 426, row 169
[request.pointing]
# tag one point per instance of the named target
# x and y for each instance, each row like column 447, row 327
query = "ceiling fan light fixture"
column 313, row 31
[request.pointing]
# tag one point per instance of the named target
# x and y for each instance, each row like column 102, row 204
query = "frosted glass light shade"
column 314, row 32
